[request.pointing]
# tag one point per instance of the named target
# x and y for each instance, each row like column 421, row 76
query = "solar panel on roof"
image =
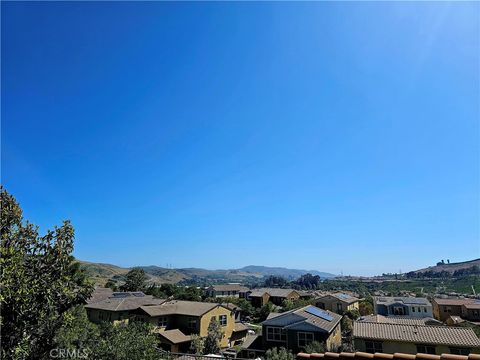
column 138, row 294
column 319, row 312
column 344, row 296
column 121, row 295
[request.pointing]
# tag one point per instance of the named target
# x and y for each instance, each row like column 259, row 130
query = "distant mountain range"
column 248, row 274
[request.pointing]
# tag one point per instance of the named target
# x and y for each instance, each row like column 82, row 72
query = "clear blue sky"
column 328, row 136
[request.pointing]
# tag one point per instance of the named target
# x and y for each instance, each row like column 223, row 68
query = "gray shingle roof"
column 272, row 292
column 435, row 335
column 229, row 287
column 179, row 307
column 175, row 336
column 124, row 303
column 300, row 318
column 388, row 300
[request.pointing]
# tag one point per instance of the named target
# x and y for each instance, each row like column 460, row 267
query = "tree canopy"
column 40, row 281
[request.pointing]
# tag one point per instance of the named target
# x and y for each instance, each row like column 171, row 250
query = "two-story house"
column 465, row 308
column 403, row 306
column 337, row 302
column 117, row 306
column 228, row 290
column 175, row 321
column 297, row 328
column 374, row 337
column 260, row 297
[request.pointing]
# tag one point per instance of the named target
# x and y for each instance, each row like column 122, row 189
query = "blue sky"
column 328, row 136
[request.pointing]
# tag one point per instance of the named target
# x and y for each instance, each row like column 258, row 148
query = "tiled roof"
column 179, row 307
column 383, row 356
column 124, row 303
column 302, row 317
column 175, row 336
column 405, row 320
column 435, row 335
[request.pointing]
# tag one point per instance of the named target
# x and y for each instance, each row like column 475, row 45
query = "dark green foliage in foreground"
column 40, row 282
column 214, row 336
column 279, row 354
column 175, row 291
column 315, row 347
column 133, row 341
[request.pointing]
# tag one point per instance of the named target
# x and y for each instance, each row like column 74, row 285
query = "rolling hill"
column 100, row 273
column 450, row 267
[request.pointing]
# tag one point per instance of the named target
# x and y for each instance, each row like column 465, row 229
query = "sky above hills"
column 342, row 137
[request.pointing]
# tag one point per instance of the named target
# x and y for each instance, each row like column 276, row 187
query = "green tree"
column 112, row 284
column 315, row 347
column 131, row 341
column 136, row 280
column 347, row 325
column 197, row 345
column 353, row 314
column 278, row 354
column 214, row 336
column 365, row 307
column 40, row 281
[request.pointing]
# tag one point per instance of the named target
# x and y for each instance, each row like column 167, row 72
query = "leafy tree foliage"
column 136, row 280
column 308, row 281
column 197, row 345
column 178, row 292
column 134, row 341
column 315, row 347
column 275, row 281
column 365, row 307
column 352, row 314
column 112, row 284
column 288, row 305
column 263, row 312
column 347, row 325
column 214, row 336
column 40, row 282
column 279, row 354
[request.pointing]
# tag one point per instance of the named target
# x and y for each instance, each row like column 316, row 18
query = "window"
column 426, row 349
column 276, row 334
column 447, row 309
column 424, row 309
column 162, row 321
column 192, row 323
column 339, row 307
column 222, row 319
column 373, row 346
column 304, row 338
column 460, row 351
column 413, row 308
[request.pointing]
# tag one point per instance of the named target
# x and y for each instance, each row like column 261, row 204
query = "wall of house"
column 471, row 314
column 442, row 312
column 227, row 330
column 334, row 341
column 331, row 303
column 97, row 316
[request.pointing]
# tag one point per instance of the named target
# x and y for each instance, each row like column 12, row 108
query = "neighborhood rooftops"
column 274, row 292
column 180, row 307
column 388, row 300
column 423, row 334
column 307, row 317
column 124, row 302
column 175, row 336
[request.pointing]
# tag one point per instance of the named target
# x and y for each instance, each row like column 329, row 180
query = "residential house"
column 175, row 321
column 260, row 297
column 297, row 328
column 403, row 306
column 118, row 307
column 467, row 309
column 337, row 302
column 389, row 338
column 228, row 290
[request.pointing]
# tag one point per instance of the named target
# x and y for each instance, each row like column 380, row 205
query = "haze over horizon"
column 320, row 136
